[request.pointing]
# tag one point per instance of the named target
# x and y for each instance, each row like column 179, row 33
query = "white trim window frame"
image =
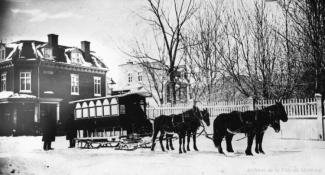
column 25, row 82
column 4, row 81
column 74, row 84
column 97, row 86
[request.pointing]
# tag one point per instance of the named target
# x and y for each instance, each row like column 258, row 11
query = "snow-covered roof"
column 31, row 49
column 12, row 95
column 141, row 93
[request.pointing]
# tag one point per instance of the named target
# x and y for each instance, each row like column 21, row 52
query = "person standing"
column 48, row 123
column 71, row 131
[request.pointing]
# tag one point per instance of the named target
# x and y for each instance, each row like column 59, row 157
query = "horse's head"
column 202, row 115
column 280, row 112
column 206, row 116
column 277, row 113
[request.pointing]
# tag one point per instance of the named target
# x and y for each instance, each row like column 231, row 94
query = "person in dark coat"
column 48, row 123
column 71, row 131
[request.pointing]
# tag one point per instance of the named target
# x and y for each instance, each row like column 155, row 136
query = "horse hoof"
column 261, row 151
column 248, row 153
column 188, row 149
column 172, row 148
column 257, row 151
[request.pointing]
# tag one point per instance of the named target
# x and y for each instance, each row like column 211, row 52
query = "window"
column 99, row 108
column 74, row 84
column 114, row 106
column 3, row 81
column 48, row 53
column 139, row 76
column 78, row 110
column 84, row 110
column 92, row 111
column 107, row 110
column 97, row 86
column 76, row 57
column 25, row 81
column 122, row 109
column 130, row 77
column 2, row 53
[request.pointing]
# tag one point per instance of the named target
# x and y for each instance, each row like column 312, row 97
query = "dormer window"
column 48, row 53
column 2, row 53
column 76, row 57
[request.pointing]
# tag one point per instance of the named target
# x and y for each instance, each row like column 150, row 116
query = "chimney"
column 52, row 40
column 85, row 46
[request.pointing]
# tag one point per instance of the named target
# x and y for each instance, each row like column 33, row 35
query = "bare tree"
column 200, row 43
column 253, row 54
column 168, row 20
column 308, row 18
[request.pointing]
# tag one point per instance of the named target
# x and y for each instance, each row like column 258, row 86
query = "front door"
column 48, row 113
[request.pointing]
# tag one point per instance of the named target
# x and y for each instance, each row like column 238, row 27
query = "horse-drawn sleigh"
column 120, row 121
column 117, row 121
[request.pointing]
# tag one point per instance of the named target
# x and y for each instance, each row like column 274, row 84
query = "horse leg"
column 217, row 139
column 154, row 139
column 183, row 139
column 167, row 141
column 250, row 137
column 171, row 142
column 188, row 140
column 257, row 143
column 228, row 142
column 180, row 143
column 194, row 141
column 161, row 137
column 260, row 143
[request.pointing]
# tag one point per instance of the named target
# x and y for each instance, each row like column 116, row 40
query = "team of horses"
column 252, row 123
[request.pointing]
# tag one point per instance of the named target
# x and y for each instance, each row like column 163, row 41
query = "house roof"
column 32, row 49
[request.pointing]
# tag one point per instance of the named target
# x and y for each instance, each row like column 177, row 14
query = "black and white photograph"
column 156, row 87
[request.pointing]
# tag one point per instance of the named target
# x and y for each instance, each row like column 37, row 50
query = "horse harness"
column 247, row 124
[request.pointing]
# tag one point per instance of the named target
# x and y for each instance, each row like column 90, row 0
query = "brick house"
column 42, row 77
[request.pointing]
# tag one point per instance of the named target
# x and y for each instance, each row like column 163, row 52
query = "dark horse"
column 252, row 123
column 182, row 124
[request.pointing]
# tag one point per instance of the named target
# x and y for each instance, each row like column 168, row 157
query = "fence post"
column 320, row 125
column 250, row 103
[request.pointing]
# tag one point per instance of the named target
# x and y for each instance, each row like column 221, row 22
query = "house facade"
column 40, row 78
column 135, row 77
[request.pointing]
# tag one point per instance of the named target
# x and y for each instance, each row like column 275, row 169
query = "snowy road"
column 23, row 155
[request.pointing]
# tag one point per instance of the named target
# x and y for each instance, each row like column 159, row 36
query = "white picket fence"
column 305, row 115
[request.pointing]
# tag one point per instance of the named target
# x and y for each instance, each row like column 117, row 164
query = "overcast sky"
column 110, row 25
column 107, row 24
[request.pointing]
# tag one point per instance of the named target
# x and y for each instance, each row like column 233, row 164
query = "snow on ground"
column 23, row 155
